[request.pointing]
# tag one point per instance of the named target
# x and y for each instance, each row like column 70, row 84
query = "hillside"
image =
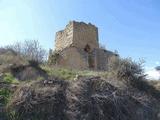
column 40, row 92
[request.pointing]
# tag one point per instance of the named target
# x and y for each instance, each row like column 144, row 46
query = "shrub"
column 131, row 74
column 30, row 49
column 8, row 56
column 126, row 69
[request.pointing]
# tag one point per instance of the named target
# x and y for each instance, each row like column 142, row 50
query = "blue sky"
column 132, row 27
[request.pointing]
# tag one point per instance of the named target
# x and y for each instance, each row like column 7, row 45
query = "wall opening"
column 91, row 60
column 87, row 48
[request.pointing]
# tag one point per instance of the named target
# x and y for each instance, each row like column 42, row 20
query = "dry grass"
column 119, row 94
column 88, row 98
column 8, row 56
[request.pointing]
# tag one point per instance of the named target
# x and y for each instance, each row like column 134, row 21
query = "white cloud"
column 153, row 74
column 157, row 63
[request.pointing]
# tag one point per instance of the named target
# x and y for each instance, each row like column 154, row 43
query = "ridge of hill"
column 41, row 92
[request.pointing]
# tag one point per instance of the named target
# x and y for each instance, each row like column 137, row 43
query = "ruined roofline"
column 77, row 33
column 77, row 23
column 82, row 23
column 60, row 32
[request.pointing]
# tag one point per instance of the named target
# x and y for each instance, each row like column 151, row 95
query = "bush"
column 124, row 72
column 131, row 75
column 8, row 56
column 30, row 49
column 126, row 69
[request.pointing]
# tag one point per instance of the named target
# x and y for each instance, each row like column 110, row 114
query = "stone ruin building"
column 77, row 47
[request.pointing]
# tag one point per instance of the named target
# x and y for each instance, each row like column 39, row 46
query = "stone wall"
column 103, row 57
column 78, row 47
column 77, row 34
column 84, row 34
column 73, row 57
column 64, row 38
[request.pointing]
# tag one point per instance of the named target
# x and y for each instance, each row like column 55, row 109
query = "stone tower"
column 77, row 47
column 78, row 34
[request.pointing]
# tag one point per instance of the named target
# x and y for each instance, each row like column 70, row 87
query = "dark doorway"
column 91, row 62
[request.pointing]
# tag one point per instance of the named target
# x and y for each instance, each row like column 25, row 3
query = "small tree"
column 30, row 49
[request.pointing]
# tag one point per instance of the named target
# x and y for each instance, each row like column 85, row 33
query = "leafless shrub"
column 10, row 57
column 126, row 69
column 30, row 49
column 131, row 74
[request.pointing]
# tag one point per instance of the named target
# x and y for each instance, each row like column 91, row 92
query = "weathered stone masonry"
column 78, row 47
column 77, row 34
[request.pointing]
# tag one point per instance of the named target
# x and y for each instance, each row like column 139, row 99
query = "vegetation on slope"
column 50, row 93
column 88, row 98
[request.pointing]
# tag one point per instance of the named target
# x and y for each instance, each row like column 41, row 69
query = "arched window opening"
column 87, row 48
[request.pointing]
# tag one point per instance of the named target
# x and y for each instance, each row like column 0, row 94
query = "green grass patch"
column 4, row 96
column 9, row 79
column 60, row 72
column 70, row 74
